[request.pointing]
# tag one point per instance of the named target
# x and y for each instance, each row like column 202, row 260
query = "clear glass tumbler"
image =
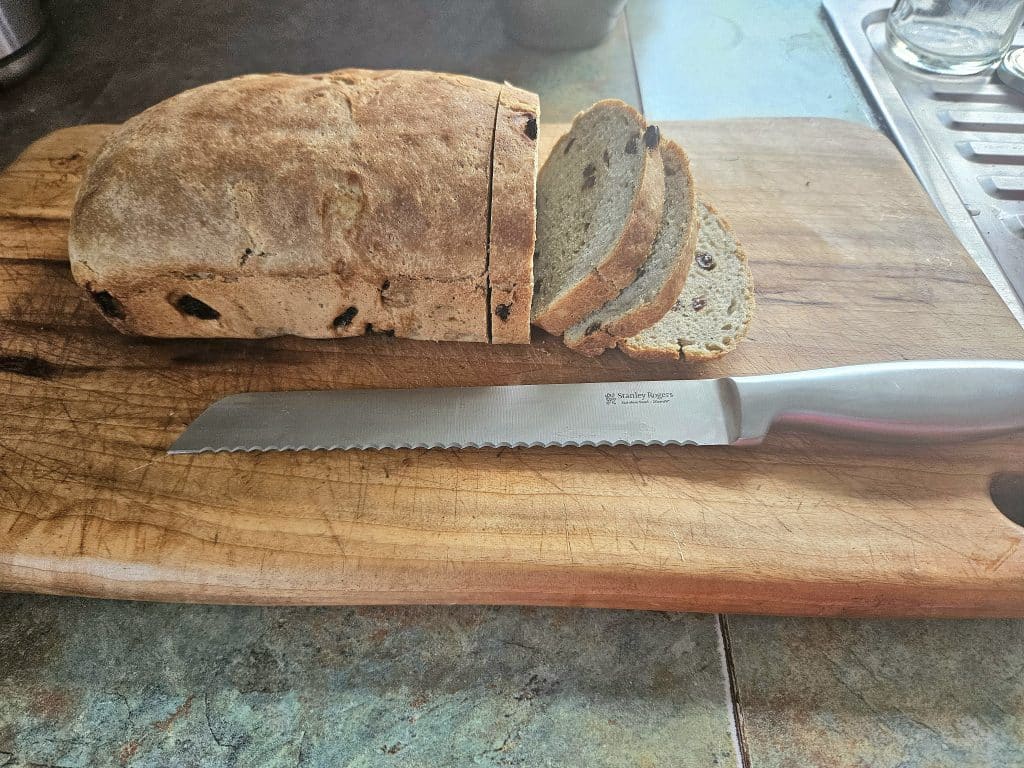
column 953, row 37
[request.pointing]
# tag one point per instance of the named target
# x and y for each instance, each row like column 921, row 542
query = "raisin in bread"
column 325, row 205
column 715, row 307
column 599, row 200
column 660, row 278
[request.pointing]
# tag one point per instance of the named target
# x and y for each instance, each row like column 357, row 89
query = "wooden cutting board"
column 852, row 265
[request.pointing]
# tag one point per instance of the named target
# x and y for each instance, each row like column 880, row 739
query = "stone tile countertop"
column 98, row 683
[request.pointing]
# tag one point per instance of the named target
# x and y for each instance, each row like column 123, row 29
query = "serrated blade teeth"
column 434, row 446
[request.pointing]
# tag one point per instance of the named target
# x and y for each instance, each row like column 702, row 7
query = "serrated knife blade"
column 657, row 412
column 929, row 400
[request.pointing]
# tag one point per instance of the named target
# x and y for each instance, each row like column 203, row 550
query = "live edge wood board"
column 852, row 265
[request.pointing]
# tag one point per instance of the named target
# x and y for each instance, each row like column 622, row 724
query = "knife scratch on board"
column 333, row 532
column 997, row 563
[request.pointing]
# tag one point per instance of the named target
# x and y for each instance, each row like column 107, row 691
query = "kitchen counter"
column 94, row 683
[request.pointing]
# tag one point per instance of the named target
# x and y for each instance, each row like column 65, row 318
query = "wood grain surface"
column 852, row 265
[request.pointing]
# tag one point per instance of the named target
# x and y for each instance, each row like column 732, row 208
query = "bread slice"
column 599, row 201
column 513, row 215
column 660, row 278
column 716, row 304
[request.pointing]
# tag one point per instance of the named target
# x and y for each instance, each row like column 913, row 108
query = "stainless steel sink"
column 963, row 136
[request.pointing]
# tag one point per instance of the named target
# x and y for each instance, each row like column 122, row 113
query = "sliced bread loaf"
column 715, row 307
column 660, row 278
column 599, row 202
column 343, row 204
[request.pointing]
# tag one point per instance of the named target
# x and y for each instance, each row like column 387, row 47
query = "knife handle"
column 940, row 400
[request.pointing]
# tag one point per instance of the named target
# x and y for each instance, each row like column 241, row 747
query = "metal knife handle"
column 906, row 401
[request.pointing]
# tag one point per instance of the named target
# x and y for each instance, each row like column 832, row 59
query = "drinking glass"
column 953, row 37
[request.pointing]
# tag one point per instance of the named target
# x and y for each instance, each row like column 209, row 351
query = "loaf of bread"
column 660, row 278
column 349, row 203
column 403, row 203
column 714, row 309
column 599, row 203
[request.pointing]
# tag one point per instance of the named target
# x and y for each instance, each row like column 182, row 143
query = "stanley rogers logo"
column 637, row 398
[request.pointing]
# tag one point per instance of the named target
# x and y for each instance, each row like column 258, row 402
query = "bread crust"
column 647, row 314
column 618, row 268
column 513, row 215
column 639, row 351
column 282, row 202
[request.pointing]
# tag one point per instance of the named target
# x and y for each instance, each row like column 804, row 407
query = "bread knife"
column 904, row 401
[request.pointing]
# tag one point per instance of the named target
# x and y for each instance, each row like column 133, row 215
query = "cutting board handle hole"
column 1007, row 491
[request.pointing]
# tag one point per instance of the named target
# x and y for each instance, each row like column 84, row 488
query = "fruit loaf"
column 330, row 205
column 715, row 306
column 660, row 278
column 599, row 203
